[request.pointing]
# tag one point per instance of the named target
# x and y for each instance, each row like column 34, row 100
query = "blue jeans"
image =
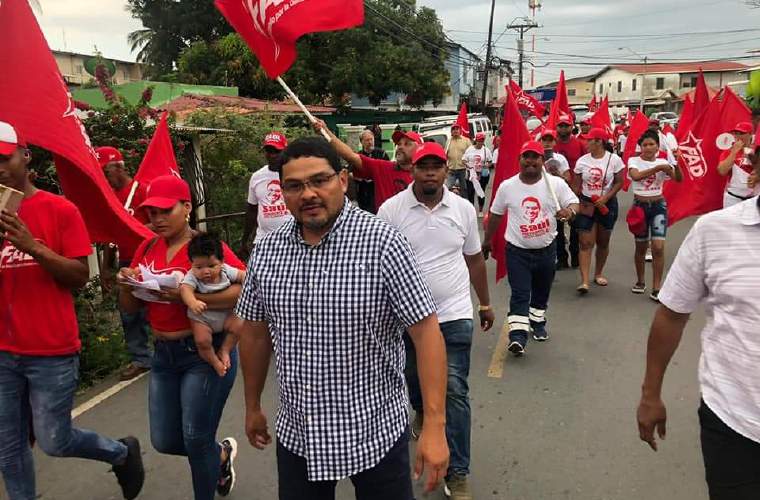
column 186, row 400
column 458, row 177
column 530, row 274
column 656, row 214
column 39, row 391
column 136, row 333
column 458, row 337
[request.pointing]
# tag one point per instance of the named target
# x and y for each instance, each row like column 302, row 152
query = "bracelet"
column 484, row 308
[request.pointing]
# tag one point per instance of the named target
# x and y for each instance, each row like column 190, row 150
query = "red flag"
column 272, row 27
column 561, row 98
column 638, row 126
column 514, row 134
column 159, row 158
column 667, row 129
column 593, row 105
column 701, row 96
column 701, row 190
column 35, row 100
column 601, row 118
column 527, row 102
column 462, row 120
column 686, row 119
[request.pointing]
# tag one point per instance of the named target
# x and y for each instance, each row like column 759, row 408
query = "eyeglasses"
column 316, row 182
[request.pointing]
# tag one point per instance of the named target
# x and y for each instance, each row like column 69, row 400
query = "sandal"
column 639, row 288
column 655, row 295
column 601, row 281
column 582, row 289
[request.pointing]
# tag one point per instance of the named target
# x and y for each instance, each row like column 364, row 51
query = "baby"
column 209, row 274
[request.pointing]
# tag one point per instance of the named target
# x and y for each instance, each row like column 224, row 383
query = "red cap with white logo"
column 276, row 140
column 9, row 139
column 166, row 191
column 566, row 119
column 743, row 128
column 412, row 136
column 107, row 154
column 429, row 149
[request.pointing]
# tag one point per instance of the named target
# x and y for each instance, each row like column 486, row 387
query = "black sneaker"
column 516, row 348
column 227, row 476
column 131, row 473
column 540, row 334
column 655, row 295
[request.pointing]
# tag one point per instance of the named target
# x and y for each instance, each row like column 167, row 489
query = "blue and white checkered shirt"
column 336, row 313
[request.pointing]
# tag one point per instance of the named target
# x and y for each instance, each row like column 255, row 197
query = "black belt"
column 737, row 196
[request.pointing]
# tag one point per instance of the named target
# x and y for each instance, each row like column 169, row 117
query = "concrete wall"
column 579, row 91
column 71, row 67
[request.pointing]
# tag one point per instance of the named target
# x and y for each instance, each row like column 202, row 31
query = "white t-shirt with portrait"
column 264, row 191
column 592, row 172
column 476, row 159
column 648, row 186
column 560, row 162
column 531, row 221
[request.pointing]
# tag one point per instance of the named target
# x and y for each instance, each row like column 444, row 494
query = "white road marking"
column 499, row 356
column 96, row 400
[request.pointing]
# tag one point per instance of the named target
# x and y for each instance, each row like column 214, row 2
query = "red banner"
column 462, row 120
column 159, row 159
column 527, row 102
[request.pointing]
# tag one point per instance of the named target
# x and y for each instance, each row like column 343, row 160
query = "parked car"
column 439, row 128
column 664, row 117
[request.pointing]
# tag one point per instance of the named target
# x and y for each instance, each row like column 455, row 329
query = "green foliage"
column 103, row 349
column 229, row 159
column 753, row 90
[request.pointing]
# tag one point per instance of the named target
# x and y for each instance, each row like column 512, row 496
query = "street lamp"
column 643, row 75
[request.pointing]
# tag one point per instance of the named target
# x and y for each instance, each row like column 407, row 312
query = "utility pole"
column 533, row 5
column 488, row 58
column 522, row 26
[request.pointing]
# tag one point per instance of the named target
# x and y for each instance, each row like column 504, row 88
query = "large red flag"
column 563, row 105
column 593, row 104
column 701, row 95
column 462, row 121
column 639, row 124
column 35, row 100
column 272, row 27
column 701, row 190
column 514, row 134
column 601, row 118
column 686, row 119
column 159, row 158
column 527, row 102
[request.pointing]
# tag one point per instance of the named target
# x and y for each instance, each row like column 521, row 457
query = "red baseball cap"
column 412, row 136
column 480, row 136
column 743, row 128
column 429, row 149
column 548, row 131
column 9, row 139
column 164, row 192
column 654, row 121
column 565, row 118
column 107, row 154
column 597, row 133
column 532, row 146
column 275, row 140
column 587, row 118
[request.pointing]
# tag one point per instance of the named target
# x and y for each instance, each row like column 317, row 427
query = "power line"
column 643, row 35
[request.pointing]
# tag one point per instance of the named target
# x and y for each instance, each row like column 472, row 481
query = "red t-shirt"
column 37, row 316
column 572, row 150
column 171, row 317
column 140, row 194
column 389, row 179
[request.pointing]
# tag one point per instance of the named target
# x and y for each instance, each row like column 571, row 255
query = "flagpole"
column 300, row 105
column 551, row 188
column 128, row 203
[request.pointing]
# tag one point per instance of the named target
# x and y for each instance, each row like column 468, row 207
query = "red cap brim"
column 159, row 202
column 7, row 148
column 276, row 145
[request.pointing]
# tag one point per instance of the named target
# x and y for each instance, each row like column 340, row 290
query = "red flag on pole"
column 601, row 118
column 686, row 119
column 514, row 134
column 593, row 105
column 272, row 27
column 462, row 120
column 35, row 100
column 527, row 102
column 561, row 98
column 638, row 126
column 701, row 190
column 701, row 96
column 159, row 159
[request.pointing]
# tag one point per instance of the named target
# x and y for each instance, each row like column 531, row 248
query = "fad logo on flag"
column 692, row 156
column 263, row 22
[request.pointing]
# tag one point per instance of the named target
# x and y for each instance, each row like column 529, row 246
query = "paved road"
column 558, row 424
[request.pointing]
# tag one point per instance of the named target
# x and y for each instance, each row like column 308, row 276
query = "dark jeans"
column 458, row 177
column 562, row 251
column 530, row 274
column 390, row 479
column 39, row 391
column 136, row 333
column 458, row 337
column 186, row 400
column 732, row 461
column 483, row 185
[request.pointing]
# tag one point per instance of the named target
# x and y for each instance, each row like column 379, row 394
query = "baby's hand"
column 198, row 307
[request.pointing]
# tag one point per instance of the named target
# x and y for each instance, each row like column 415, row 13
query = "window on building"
column 634, row 83
column 570, row 92
column 79, row 69
column 660, row 83
column 693, row 81
column 685, row 84
column 601, row 88
column 620, row 86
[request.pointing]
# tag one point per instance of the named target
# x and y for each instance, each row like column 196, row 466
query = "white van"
column 439, row 128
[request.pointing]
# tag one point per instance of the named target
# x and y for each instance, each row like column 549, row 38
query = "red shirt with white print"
column 171, row 317
column 37, row 316
column 389, row 179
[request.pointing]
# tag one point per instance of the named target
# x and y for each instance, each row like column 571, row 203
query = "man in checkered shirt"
column 332, row 291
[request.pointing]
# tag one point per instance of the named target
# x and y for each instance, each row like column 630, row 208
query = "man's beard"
column 429, row 191
column 320, row 224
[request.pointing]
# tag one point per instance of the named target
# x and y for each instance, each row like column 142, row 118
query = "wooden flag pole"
column 551, row 188
column 300, row 105
column 128, row 203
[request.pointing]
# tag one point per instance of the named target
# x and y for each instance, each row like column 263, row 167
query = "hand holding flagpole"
column 551, row 188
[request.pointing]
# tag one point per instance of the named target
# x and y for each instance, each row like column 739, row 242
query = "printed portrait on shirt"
column 274, row 193
column 531, row 208
column 535, row 223
column 595, row 175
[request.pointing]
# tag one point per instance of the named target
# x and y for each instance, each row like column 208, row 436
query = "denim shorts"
column 585, row 223
column 656, row 216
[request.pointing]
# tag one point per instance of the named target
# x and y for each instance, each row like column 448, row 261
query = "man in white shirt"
column 266, row 206
column 478, row 160
column 530, row 235
column 717, row 265
column 555, row 163
column 443, row 231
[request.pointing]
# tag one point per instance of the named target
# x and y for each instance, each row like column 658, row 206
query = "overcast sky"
column 599, row 32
